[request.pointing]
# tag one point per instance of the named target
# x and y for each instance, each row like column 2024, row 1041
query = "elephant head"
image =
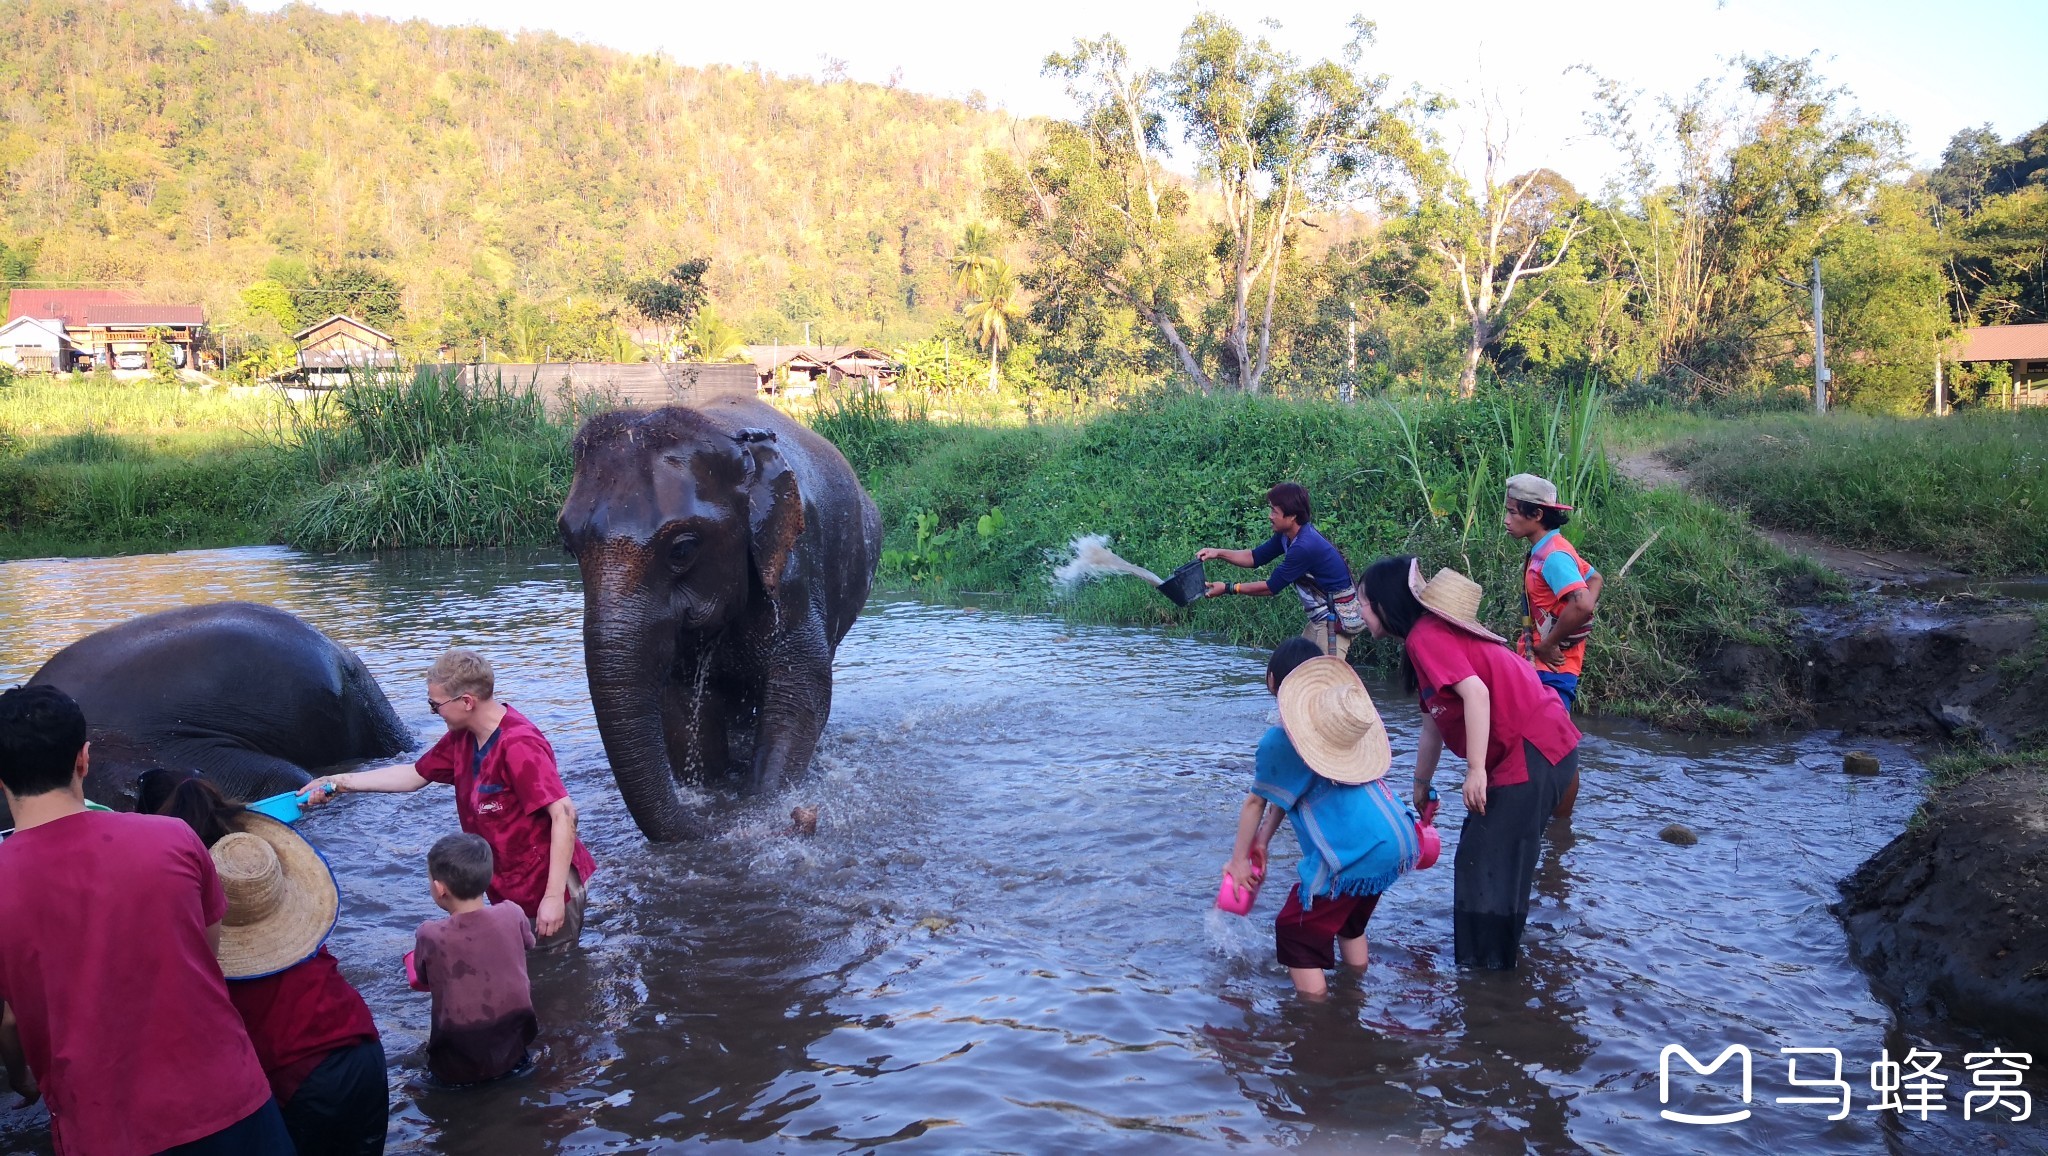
column 684, row 531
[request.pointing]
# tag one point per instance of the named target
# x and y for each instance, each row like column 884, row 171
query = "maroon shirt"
column 506, row 802
column 474, row 962
column 299, row 1016
column 1523, row 708
column 123, row 1013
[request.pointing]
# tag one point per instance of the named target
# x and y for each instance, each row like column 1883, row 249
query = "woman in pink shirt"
column 1477, row 695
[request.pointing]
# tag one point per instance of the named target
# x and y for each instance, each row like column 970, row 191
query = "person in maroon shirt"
column 507, row 790
column 313, row 1033
column 1521, row 750
column 107, row 962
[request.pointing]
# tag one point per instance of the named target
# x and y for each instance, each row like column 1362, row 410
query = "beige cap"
column 282, row 899
column 1332, row 722
column 1455, row 598
column 1530, row 488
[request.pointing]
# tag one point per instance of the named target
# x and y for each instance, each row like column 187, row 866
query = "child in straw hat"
column 313, row 1033
column 1484, row 702
column 1324, row 768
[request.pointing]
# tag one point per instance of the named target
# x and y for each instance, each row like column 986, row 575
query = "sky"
column 1936, row 68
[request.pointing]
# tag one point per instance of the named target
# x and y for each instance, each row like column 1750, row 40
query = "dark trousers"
column 1496, row 864
column 343, row 1107
column 260, row 1133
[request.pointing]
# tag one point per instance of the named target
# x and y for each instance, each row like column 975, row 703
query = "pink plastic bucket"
column 1426, row 832
column 1238, row 900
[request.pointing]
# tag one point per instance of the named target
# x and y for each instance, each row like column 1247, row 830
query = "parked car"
column 131, row 359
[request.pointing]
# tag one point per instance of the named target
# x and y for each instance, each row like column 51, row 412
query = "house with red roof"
column 111, row 328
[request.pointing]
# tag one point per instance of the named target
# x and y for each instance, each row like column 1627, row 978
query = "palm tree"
column 996, row 308
column 715, row 338
column 977, row 247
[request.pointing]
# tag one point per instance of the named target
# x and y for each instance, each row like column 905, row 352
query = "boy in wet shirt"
column 507, row 790
column 474, row 963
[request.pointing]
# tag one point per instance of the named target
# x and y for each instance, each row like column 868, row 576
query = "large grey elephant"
column 725, row 551
column 247, row 695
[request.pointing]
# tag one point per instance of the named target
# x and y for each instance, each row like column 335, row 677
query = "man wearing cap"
column 107, row 961
column 1560, row 591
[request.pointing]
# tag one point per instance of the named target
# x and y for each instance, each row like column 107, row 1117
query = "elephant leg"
column 239, row 772
column 794, row 706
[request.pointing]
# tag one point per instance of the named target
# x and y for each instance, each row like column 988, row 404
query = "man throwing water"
column 1312, row 566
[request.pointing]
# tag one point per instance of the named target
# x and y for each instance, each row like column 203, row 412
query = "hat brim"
column 1464, row 624
column 1364, row 761
column 303, row 920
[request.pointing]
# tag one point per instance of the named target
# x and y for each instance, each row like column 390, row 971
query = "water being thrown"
column 1092, row 558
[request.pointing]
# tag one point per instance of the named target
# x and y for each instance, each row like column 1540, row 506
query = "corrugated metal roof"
column 2005, row 343
column 144, row 315
column 66, row 305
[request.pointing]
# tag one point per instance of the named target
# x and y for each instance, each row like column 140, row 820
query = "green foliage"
column 163, row 368
column 1971, row 489
column 1886, row 306
column 353, row 288
column 1169, row 476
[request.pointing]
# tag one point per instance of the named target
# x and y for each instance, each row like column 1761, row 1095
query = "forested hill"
column 190, row 148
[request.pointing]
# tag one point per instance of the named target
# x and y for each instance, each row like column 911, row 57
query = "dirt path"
column 1879, row 567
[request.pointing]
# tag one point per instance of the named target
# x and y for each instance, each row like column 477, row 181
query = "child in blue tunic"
column 1324, row 768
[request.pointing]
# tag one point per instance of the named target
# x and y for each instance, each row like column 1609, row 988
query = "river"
column 1001, row 936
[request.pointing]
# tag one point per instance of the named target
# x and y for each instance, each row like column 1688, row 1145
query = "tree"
column 1887, row 310
column 1514, row 231
column 672, row 298
column 352, row 287
column 977, row 246
column 716, row 339
column 996, row 308
column 1278, row 138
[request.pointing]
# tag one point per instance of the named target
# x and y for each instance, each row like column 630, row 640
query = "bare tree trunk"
column 1468, row 380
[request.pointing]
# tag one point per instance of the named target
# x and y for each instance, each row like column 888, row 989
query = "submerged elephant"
column 247, row 695
column 725, row 551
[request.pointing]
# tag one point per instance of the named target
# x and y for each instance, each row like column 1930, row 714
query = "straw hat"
column 1454, row 598
column 282, row 899
column 1332, row 722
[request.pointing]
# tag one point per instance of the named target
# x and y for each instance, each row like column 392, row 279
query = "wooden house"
column 2024, row 348
column 802, row 368
column 332, row 349
column 110, row 328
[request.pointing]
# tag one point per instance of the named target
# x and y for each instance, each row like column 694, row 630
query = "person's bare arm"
column 553, row 909
column 213, row 938
column 1250, row 817
column 1234, row 557
column 1256, row 589
column 1428, row 750
column 397, row 777
column 1478, row 729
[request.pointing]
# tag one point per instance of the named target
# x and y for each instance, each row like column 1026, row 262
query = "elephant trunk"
column 629, row 653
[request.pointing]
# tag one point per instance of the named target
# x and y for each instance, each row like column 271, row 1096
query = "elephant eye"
column 682, row 549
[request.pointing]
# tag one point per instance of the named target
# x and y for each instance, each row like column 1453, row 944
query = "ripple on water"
column 1001, row 936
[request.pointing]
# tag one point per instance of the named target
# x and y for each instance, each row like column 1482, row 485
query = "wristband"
column 1230, row 587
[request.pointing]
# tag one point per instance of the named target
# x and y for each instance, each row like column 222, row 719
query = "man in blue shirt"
column 1312, row 566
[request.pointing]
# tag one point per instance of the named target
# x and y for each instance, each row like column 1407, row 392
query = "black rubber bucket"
column 1186, row 585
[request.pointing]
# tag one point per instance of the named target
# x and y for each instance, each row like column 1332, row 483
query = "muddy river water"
column 1001, row 937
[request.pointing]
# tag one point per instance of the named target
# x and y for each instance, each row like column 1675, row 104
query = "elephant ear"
column 775, row 507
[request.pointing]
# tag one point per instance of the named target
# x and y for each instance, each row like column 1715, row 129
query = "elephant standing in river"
column 247, row 695
column 725, row 551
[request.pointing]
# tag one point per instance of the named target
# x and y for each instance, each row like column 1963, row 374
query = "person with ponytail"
column 1485, row 703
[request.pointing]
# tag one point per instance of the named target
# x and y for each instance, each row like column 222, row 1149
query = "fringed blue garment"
column 1355, row 839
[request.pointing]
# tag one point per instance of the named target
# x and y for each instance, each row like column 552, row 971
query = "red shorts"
column 1301, row 937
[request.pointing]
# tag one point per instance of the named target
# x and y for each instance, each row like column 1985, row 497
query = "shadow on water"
column 1000, row 937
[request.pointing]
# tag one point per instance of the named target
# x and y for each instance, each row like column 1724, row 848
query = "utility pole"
column 1940, row 388
column 1820, row 353
column 1350, row 387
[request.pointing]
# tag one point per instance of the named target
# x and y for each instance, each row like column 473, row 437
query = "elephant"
column 725, row 551
column 247, row 695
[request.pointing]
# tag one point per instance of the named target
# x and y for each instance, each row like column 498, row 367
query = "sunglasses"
column 436, row 706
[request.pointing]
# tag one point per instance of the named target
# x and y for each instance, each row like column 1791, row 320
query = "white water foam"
column 1093, row 559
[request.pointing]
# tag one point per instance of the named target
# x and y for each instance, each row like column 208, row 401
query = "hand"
column 1257, row 854
column 548, row 918
column 1475, row 792
column 1244, row 872
column 1550, row 653
column 320, row 790
column 1208, row 554
column 1421, row 795
column 1214, row 590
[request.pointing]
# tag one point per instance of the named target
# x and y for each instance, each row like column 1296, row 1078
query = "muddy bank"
column 1951, row 918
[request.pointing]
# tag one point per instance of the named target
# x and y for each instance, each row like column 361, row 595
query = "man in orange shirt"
column 1560, row 593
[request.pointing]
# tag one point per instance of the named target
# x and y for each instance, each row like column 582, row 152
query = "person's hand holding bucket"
column 1241, row 880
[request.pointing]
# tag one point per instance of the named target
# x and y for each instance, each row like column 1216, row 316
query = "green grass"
column 1165, row 478
column 1971, row 490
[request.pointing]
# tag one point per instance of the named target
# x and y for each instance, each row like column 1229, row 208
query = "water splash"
column 1092, row 559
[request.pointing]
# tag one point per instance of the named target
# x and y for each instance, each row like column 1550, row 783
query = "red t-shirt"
column 506, row 803
column 300, row 1015
column 1523, row 708
column 123, row 1013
